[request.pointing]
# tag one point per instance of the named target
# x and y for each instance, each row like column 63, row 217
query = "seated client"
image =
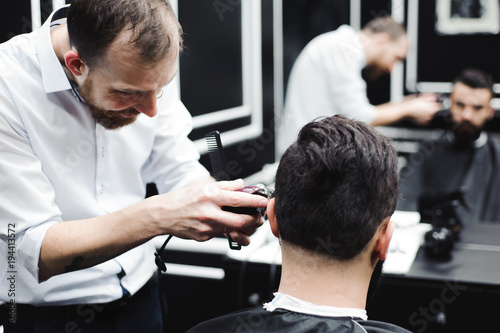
column 336, row 188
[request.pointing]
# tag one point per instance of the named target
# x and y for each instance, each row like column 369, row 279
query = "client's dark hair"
column 476, row 79
column 94, row 24
column 334, row 186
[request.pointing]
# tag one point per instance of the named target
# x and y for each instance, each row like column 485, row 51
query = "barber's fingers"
column 225, row 194
column 240, row 238
column 249, row 229
column 240, row 226
column 230, row 185
column 212, row 189
column 423, row 118
column 242, row 235
column 428, row 96
column 431, row 103
column 196, row 212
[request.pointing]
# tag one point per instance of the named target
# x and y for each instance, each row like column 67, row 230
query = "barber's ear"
column 384, row 234
column 382, row 38
column 272, row 217
column 74, row 63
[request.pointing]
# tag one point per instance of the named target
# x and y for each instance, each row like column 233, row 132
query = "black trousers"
column 138, row 313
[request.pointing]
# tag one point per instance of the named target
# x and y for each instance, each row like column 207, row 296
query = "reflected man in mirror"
column 461, row 164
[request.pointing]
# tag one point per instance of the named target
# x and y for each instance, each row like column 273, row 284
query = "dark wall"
column 305, row 19
column 210, row 65
column 15, row 20
column 249, row 156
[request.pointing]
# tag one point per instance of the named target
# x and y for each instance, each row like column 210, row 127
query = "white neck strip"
column 481, row 141
column 287, row 302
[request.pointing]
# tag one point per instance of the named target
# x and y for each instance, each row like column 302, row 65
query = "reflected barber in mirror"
column 458, row 169
column 329, row 75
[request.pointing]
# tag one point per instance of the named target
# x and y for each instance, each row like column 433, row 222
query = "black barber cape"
column 260, row 320
column 439, row 168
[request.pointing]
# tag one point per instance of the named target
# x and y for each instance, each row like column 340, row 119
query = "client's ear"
column 384, row 234
column 272, row 217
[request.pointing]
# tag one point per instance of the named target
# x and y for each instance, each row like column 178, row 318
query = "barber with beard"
column 463, row 162
column 327, row 79
column 89, row 115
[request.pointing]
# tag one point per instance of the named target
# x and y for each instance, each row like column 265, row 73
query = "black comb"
column 217, row 159
column 219, row 172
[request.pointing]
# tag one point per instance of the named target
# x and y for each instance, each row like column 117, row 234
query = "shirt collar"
column 360, row 54
column 478, row 143
column 481, row 141
column 53, row 76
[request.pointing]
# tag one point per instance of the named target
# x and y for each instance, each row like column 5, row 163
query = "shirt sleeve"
column 343, row 62
column 27, row 204
column 174, row 161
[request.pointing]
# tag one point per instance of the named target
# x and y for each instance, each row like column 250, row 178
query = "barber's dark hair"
column 94, row 24
column 334, row 186
column 475, row 78
column 385, row 24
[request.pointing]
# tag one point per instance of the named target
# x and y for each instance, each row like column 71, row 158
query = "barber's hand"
column 421, row 108
column 194, row 212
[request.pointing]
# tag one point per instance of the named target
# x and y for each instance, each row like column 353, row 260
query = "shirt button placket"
column 101, row 169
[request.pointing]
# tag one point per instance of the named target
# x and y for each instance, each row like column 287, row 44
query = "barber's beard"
column 106, row 118
column 372, row 72
column 466, row 133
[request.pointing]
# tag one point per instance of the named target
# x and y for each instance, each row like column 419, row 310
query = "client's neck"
column 323, row 281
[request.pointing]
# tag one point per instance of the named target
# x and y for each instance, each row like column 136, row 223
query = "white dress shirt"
column 325, row 80
column 57, row 164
